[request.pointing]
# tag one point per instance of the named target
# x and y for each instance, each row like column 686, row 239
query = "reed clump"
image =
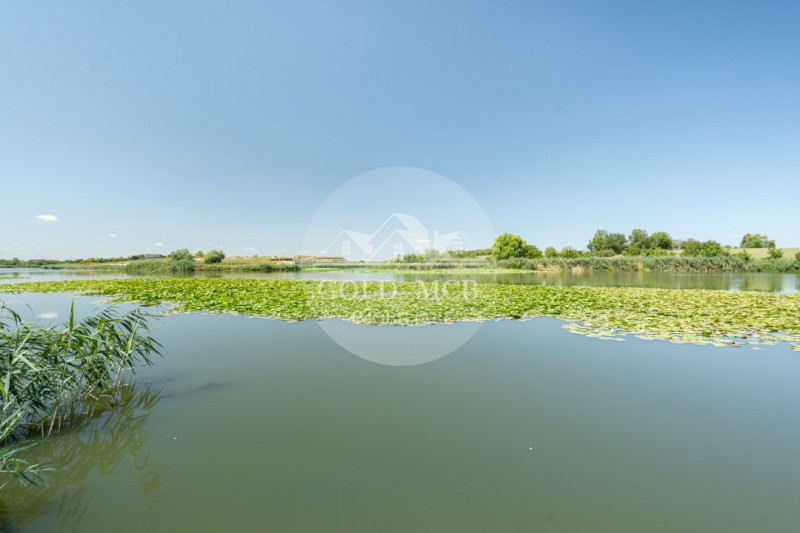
column 50, row 375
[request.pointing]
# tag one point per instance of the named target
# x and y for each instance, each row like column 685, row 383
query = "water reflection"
column 763, row 282
column 103, row 442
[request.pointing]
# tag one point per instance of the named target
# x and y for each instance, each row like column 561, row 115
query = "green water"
column 260, row 425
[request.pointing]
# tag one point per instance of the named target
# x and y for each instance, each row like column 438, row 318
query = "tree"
column 570, row 253
column 756, row 240
column 604, row 240
column 692, row 247
column 508, row 246
column 181, row 255
column 775, row 253
column 640, row 239
column 633, row 249
column 532, row 252
column 655, row 251
column 214, row 256
column 198, row 253
column 550, row 252
column 430, row 254
column 663, row 240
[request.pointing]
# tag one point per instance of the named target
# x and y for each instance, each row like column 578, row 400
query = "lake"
column 251, row 424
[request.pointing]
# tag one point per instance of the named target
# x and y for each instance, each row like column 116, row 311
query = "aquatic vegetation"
column 693, row 316
column 163, row 266
column 51, row 376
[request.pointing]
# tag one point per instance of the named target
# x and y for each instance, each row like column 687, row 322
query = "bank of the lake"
column 584, row 263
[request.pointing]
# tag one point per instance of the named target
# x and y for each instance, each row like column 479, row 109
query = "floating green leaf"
column 722, row 318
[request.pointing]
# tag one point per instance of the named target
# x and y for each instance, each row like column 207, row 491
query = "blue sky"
column 202, row 124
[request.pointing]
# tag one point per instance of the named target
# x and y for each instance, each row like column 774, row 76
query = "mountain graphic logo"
column 400, row 234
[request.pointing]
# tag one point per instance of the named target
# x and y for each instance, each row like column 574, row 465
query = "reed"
column 163, row 266
column 51, row 376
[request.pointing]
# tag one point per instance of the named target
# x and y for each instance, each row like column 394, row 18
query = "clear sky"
column 227, row 123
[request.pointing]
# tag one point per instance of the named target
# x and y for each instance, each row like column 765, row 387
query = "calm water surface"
column 261, row 425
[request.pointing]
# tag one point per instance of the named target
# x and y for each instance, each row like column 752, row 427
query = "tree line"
column 638, row 243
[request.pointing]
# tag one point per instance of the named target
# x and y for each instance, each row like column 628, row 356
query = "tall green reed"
column 48, row 375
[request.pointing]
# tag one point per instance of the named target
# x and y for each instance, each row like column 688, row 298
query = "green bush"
column 431, row 254
column 604, row 240
column 214, row 256
column 692, row 247
column 743, row 255
column 663, row 240
column 181, row 255
column 409, row 258
column 532, row 252
column 275, row 267
column 604, row 253
column 147, row 267
column 156, row 266
column 756, row 240
column 508, row 246
column 632, row 249
column 655, row 251
column 466, row 254
column 775, row 253
column 184, row 266
column 640, row 239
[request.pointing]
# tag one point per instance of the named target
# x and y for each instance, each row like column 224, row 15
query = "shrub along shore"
column 664, row 263
column 691, row 316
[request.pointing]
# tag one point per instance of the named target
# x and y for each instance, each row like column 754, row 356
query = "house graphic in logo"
column 399, row 235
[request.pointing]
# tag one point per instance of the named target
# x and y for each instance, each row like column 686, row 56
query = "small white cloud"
column 158, row 244
column 48, row 315
column 423, row 240
column 249, row 248
column 47, row 218
column 112, row 235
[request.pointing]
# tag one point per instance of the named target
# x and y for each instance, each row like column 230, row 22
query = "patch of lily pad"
column 721, row 318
